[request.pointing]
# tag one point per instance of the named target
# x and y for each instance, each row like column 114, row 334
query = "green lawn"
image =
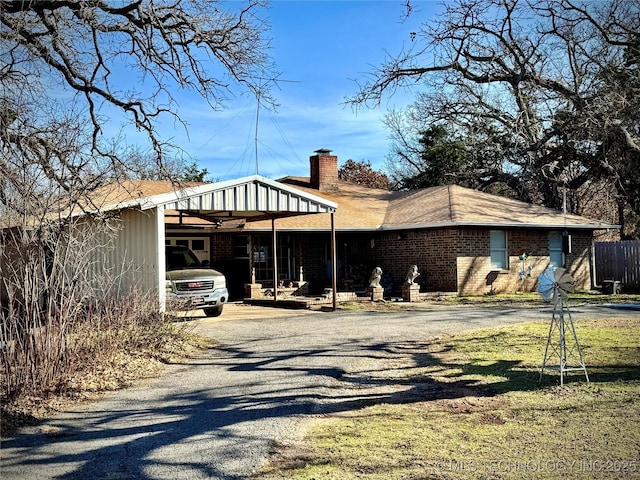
column 477, row 410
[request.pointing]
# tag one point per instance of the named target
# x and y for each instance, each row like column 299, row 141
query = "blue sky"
column 321, row 48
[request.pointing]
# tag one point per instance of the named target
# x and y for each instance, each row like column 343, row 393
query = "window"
column 241, row 247
column 197, row 245
column 498, row 250
column 555, row 249
column 263, row 258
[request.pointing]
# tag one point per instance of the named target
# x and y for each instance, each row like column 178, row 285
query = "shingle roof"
column 364, row 208
column 361, row 208
column 455, row 205
column 128, row 191
column 105, row 198
column 250, row 198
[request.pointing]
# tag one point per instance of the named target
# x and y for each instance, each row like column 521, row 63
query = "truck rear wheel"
column 213, row 311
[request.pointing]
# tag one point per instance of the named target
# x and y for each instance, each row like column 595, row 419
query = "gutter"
column 497, row 225
column 594, row 273
column 383, row 228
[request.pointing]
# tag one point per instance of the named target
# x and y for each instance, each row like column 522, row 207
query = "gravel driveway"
column 219, row 415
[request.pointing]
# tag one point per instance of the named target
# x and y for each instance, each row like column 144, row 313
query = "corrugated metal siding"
column 137, row 245
column 123, row 257
column 91, row 244
column 250, row 196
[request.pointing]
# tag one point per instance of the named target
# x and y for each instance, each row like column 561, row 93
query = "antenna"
column 554, row 285
column 256, row 134
column 258, row 92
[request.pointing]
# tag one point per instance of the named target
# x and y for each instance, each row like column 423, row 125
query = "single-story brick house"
column 462, row 241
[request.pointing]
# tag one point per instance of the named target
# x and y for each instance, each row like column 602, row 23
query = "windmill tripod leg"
column 581, row 366
column 546, row 350
column 563, row 351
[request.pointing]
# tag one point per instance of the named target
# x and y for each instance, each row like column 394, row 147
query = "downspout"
column 161, row 274
column 594, row 276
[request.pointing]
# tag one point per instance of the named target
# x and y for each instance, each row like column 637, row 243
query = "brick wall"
column 579, row 261
column 475, row 276
column 324, row 171
column 433, row 251
column 221, row 247
column 472, row 262
column 448, row 259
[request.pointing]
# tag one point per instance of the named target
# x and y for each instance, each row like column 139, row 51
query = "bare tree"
column 71, row 74
column 78, row 66
column 545, row 74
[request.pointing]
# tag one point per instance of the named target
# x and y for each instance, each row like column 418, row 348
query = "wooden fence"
column 619, row 261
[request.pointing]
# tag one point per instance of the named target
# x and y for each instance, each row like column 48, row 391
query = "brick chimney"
column 324, row 170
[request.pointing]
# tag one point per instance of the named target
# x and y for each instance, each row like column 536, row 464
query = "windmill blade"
column 546, row 283
column 563, row 294
column 558, row 272
column 555, row 283
column 567, row 287
column 566, row 283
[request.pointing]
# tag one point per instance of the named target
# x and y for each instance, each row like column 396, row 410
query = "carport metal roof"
column 251, row 198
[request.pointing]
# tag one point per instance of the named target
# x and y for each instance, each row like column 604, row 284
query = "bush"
column 67, row 324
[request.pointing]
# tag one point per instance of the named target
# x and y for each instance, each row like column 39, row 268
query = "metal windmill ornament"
column 555, row 285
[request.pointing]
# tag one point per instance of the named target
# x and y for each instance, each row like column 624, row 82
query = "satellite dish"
column 555, row 283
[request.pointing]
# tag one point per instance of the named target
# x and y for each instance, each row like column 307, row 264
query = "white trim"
column 557, row 249
column 162, row 274
column 322, row 205
column 503, row 250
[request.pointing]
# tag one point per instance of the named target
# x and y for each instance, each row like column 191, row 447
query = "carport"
column 142, row 237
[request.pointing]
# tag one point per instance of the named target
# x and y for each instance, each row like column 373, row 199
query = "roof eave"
column 498, row 225
column 424, row 226
column 167, row 198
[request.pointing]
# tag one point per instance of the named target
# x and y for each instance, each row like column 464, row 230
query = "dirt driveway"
column 270, row 375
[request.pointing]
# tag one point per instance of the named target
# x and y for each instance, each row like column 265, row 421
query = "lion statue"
column 412, row 274
column 376, row 276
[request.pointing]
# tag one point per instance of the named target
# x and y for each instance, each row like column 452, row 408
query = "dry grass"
column 531, row 299
column 104, row 359
column 476, row 410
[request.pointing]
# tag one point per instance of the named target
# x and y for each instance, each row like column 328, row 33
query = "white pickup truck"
column 191, row 284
